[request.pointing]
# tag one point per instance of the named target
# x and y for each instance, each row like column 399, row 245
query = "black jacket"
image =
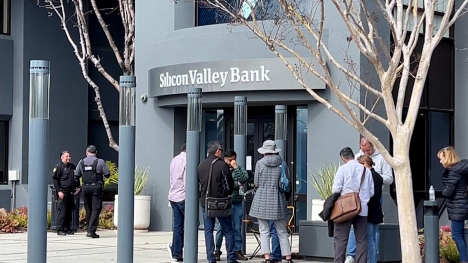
column 375, row 215
column 222, row 183
column 63, row 177
column 455, row 181
column 327, row 210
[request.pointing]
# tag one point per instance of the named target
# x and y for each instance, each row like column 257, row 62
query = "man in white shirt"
column 382, row 168
column 348, row 180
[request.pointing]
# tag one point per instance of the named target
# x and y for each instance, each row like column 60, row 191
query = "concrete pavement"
column 149, row 247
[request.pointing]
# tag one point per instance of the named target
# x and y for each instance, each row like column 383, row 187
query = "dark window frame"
column 4, row 180
column 8, row 32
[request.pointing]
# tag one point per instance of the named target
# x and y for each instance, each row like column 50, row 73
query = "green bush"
column 141, row 178
column 323, row 180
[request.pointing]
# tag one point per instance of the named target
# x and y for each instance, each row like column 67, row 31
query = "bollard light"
column 240, row 146
column 38, row 170
column 125, row 209
column 281, row 129
column 194, row 122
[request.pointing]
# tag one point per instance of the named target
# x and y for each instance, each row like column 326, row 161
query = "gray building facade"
column 179, row 45
column 29, row 33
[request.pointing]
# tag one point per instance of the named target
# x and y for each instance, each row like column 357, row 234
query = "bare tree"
column 294, row 23
column 78, row 20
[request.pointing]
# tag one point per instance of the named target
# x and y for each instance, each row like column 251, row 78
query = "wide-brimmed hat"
column 269, row 146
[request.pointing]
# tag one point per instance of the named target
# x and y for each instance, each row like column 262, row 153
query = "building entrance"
column 258, row 130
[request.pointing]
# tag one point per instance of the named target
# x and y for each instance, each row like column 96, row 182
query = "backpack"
column 284, row 180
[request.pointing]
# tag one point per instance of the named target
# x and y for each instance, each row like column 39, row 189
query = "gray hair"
column 346, row 153
column 213, row 146
column 91, row 149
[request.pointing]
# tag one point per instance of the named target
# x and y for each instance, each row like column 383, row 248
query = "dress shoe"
column 240, row 256
column 92, row 235
column 61, row 233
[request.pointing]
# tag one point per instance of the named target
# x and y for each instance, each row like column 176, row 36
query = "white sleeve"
column 338, row 181
column 387, row 174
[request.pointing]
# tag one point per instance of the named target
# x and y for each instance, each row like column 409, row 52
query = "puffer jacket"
column 268, row 202
column 455, row 180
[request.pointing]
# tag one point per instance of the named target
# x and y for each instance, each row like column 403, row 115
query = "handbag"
column 216, row 206
column 348, row 205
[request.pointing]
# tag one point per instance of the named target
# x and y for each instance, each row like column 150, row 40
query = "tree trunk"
column 406, row 209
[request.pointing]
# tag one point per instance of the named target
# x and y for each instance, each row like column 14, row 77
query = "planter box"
column 141, row 215
column 317, row 207
column 314, row 242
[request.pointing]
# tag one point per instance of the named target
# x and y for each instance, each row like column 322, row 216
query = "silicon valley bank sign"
column 263, row 74
column 210, row 76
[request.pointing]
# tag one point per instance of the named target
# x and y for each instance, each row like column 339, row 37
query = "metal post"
column 281, row 129
column 38, row 160
column 194, row 118
column 431, row 231
column 240, row 145
column 126, row 169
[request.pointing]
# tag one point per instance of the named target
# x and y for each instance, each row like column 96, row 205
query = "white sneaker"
column 349, row 259
column 169, row 250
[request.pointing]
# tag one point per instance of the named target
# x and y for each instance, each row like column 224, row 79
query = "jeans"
column 459, row 238
column 351, row 251
column 372, row 243
column 236, row 216
column 226, row 225
column 275, row 246
column 178, row 212
column 352, row 242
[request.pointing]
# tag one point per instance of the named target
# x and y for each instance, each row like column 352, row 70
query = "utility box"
column 13, row 175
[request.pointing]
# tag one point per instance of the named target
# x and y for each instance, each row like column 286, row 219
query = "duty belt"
column 94, row 184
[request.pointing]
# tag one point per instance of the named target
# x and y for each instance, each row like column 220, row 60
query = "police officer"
column 65, row 186
column 93, row 171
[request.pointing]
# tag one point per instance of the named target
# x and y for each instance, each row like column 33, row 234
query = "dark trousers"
column 226, row 225
column 178, row 211
column 64, row 211
column 341, row 239
column 92, row 195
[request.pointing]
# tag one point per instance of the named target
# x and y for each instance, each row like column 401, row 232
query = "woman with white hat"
column 269, row 203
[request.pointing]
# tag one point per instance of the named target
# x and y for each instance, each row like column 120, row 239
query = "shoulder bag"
column 215, row 206
column 348, row 205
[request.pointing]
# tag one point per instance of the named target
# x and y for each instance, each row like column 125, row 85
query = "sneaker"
column 240, row 256
column 61, row 233
column 349, row 259
column 169, row 250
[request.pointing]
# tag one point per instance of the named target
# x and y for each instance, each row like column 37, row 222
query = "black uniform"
column 93, row 171
column 64, row 181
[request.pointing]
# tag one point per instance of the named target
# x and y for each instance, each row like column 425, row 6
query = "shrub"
column 323, row 180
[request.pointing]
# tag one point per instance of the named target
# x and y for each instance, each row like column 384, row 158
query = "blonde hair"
column 450, row 156
column 365, row 159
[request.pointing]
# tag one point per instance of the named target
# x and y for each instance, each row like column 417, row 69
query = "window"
column 4, row 17
column 264, row 10
column 3, row 152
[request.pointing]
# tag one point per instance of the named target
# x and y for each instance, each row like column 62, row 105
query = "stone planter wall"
column 314, row 242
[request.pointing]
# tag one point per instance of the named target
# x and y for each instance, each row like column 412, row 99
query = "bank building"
column 184, row 45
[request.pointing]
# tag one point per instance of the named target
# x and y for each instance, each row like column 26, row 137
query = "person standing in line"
column 176, row 198
column 455, row 180
column 276, row 256
column 349, row 179
column 221, row 186
column 93, row 171
column 385, row 171
column 269, row 203
column 375, row 214
column 65, row 187
column 240, row 177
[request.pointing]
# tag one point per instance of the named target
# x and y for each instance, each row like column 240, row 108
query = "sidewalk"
column 149, row 247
